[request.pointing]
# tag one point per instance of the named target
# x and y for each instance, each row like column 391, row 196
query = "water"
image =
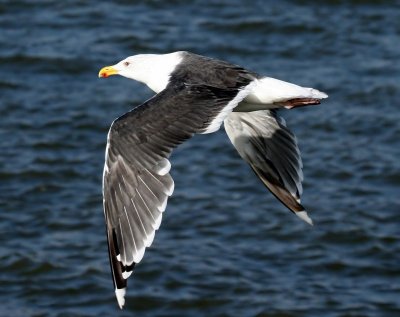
column 226, row 246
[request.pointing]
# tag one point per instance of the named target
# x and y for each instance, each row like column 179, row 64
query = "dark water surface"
column 226, row 246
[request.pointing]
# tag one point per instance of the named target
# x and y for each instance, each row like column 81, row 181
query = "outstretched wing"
column 136, row 180
column 266, row 144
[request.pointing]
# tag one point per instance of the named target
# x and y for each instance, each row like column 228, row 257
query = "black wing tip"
column 119, row 271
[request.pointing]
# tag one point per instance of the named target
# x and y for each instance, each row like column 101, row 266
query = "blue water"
column 226, row 247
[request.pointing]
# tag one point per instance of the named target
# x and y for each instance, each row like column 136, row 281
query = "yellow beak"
column 107, row 71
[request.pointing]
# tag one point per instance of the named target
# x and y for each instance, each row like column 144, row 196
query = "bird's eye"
column 126, row 63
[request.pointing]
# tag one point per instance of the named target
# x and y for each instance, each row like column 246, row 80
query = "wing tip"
column 163, row 167
column 303, row 215
column 139, row 255
column 120, row 294
column 126, row 274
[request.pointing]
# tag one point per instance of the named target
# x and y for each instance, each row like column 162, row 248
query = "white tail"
column 269, row 91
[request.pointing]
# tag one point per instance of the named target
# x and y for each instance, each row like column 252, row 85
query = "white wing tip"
column 125, row 274
column 171, row 190
column 303, row 215
column 163, row 205
column 120, row 294
column 149, row 239
column 164, row 166
column 139, row 255
column 157, row 224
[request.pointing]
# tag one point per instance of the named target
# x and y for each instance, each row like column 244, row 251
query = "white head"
column 150, row 69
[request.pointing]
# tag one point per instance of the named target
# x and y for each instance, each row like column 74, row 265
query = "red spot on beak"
column 107, row 71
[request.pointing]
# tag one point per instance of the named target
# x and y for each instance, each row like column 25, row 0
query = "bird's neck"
column 158, row 69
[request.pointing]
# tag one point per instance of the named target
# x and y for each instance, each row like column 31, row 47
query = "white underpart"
column 120, row 293
column 303, row 215
column 267, row 91
column 217, row 121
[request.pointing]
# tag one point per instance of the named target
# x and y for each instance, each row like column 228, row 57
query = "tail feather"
column 270, row 91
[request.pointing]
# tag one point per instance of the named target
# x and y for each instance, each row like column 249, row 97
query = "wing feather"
column 136, row 182
column 267, row 145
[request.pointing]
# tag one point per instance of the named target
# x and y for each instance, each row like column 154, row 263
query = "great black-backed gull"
column 194, row 94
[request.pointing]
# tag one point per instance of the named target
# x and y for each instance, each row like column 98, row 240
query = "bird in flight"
column 194, row 94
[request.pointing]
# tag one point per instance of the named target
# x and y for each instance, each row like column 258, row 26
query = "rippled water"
column 226, row 246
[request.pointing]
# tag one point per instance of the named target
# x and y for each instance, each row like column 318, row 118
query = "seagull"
column 194, row 94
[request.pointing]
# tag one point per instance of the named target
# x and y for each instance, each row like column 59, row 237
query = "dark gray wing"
column 136, row 182
column 266, row 144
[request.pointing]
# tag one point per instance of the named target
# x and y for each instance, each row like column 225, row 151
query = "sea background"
column 226, row 246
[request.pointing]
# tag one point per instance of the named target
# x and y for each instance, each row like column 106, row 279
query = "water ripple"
column 226, row 246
